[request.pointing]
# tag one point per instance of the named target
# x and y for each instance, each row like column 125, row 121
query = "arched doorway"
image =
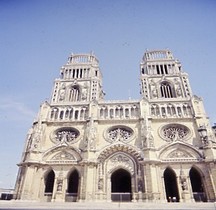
column 49, row 184
column 73, row 184
column 197, row 185
column 171, row 187
column 121, row 185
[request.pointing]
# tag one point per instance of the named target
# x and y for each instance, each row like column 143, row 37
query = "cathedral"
column 82, row 148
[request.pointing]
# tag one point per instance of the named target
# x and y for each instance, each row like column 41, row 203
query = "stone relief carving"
column 59, row 185
column 62, row 92
column 178, row 88
column 100, row 184
column 121, row 160
column 150, row 137
column 63, row 156
column 34, row 137
column 140, row 186
column 176, row 132
column 153, row 88
column 179, row 154
column 143, row 133
column 60, row 181
column 92, row 131
column 84, row 92
column 146, row 135
column 89, row 140
column 183, row 181
column 119, row 134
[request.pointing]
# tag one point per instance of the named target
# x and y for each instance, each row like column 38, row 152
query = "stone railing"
column 171, row 110
column 119, row 110
column 68, row 113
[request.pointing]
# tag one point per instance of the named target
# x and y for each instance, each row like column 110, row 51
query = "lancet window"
column 74, row 94
column 166, row 90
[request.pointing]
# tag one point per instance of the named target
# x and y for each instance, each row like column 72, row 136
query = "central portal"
column 121, row 185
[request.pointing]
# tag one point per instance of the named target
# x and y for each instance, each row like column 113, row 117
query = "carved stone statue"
column 59, row 185
column 178, row 88
column 90, row 136
column 153, row 89
column 62, row 92
column 143, row 133
column 100, row 184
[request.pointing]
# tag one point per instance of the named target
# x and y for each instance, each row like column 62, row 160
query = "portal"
column 197, row 186
column 171, row 187
column 121, row 185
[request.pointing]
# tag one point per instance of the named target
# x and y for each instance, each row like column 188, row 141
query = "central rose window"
column 65, row 135
column 119, row 133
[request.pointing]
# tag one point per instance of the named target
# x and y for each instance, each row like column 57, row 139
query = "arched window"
column 171, row 187
column 121, row 185
column 166, row 90
column 74, row 94
column 61, row 115
column 73, row 182
column 197, row 185
column 49, row 182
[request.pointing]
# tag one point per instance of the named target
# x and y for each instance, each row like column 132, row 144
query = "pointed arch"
column 108, row 151
column 74, row 93
column 49, row 179
column 73, row 181
column 121, row 185
column 167, row 90
column 179, row 151
column 62, row 153
column 197, row 185
column 171, row 187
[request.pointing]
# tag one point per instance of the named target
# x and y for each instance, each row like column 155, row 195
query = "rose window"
column 67, row 135
column 175, row 133
column 119, row 134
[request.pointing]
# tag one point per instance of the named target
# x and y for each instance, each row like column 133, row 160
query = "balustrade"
column 171, row 110
column 68, row 113
column 119, row 111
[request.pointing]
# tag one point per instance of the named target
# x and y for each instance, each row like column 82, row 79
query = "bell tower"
column 162, row 77
column 80, row 81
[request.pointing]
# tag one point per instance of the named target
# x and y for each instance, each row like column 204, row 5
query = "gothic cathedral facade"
column 83, row 148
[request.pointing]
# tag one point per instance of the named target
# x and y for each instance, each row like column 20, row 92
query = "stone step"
column 105, row 206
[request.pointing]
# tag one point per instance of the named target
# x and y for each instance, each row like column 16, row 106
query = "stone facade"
column 84, row 148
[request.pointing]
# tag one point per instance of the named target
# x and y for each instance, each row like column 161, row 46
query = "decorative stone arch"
column 74, row 93
column 73, row 184
column 48, row 183
column 120, row 160
column 63, row 154
column 118, row 157
column 171, row 185
column 179, row 152
column 74, row 168
column 121, row 185
column 120, row 147
column 198, row 184
column 166, row 89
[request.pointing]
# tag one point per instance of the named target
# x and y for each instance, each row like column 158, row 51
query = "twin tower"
column 84, row 148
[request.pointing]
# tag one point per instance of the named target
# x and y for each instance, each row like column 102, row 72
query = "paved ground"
column 105, row 206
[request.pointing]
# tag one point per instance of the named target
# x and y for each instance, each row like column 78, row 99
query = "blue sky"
column 37, row 36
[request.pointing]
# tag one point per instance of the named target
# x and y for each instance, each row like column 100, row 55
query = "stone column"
column 164, row 189
column 27, row 191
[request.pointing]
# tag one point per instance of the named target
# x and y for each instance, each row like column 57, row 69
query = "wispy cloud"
column 13, row 110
